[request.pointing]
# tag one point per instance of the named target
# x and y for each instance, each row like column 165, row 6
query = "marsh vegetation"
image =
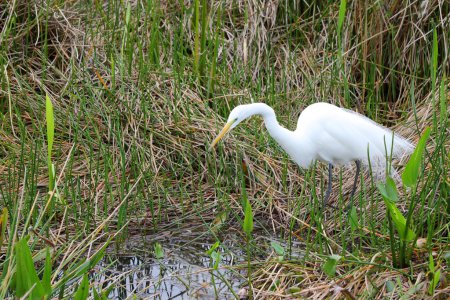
column 107, row 110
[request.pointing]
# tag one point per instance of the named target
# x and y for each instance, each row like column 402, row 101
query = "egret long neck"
column 293, row 143
column 283, row 136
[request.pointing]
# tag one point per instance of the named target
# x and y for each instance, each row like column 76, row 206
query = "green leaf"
column 96, row 295
column 196, row 22
column 389, row 193
column 399, row 222
column 341, row 18
column 216, row 259
column 434, row 58
column 83, row 289
column 353, row 218
column 431, row 263
column 50, row 124
column 159, row 251
column 104, row 294
column 80, row 268
column 388, row 190
column 411, row 172
column 213, row 247
column 46, row 278
column 330, row 265
column 294, row 289
column 128, row 14
column 248, row 219
column 435, row 275
column 50, row 136
column 434, row 283
column 3, row 223
column 248, row 214
column 26, row 276
column 277, row 247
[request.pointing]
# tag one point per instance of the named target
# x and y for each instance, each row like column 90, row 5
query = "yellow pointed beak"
column 224, row 130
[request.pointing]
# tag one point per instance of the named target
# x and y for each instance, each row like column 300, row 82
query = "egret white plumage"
column 330, row 134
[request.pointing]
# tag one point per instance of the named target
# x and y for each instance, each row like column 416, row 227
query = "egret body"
column 327, row 133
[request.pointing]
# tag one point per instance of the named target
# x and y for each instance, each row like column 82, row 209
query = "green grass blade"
column 248, row 219
column 50, row 124
column 196, row 35
column 212, row 248
column 216, row 259
column 50, row 136
column 330, row 265
column 388, row 190
column 128, row 14
column 435, row 275
column 159, row 251
column 353, row 218
column 26, row 276
column 434, row 59
column 341, row 18
column 411, row 172
column 46, row 278
column 277, row 247
column 3, row 224
column 97, row 296
column 203, row 52
column 389, row 193
column 212, row 71
column 83, row 289
column 399, row 222
column 434, row 282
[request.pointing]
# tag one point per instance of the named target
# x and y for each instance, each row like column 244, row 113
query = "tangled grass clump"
column 139, row 89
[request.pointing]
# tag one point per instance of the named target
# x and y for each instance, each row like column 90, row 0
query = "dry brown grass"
column 155, row 131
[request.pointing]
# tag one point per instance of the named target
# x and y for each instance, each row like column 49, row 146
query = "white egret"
column 330, row 134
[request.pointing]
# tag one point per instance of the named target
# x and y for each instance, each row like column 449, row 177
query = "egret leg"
column 355, row 182
column 328, row 193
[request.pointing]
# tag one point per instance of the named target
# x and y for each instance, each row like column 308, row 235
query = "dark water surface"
column 184, row 273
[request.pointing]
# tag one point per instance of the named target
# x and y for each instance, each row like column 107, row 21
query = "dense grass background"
column 140, row 89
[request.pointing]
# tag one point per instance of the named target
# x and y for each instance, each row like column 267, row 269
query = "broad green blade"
column 342, row 9
column 83, row 289
column 50, row 125
column 411, row 172
column 248, row 219
column 399, row 222
column 26, row 276
column 330, row 265
column 46, row 278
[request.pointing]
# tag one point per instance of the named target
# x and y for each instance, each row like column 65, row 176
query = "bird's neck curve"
column 293, row 142
column 282, row 135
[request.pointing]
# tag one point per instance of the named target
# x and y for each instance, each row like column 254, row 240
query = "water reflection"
column 181, row 274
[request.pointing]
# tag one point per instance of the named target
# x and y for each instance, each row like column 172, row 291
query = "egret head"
column 237, row 115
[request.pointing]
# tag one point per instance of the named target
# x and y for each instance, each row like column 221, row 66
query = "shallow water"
column 185, row 271
column 182, row 274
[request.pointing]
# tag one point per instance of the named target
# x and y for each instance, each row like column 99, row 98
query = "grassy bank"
column 139, row 89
